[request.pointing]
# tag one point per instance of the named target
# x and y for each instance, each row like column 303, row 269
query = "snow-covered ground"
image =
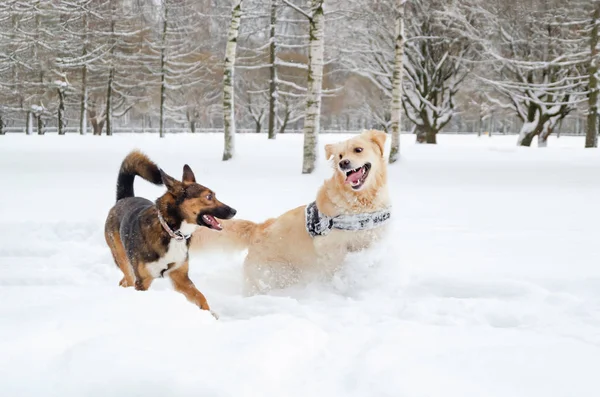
column 488, row 286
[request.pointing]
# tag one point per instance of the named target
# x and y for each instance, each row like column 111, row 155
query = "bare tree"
column 316, row 50
column 530, row 51
column 396, row 107
column 228, row 80
column 591, row 137
column 273, row 70
column 435, row 63
column 435, row 67
column 101, row 64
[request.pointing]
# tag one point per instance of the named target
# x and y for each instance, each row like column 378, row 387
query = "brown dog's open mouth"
column 357, row 177
column 211, row 222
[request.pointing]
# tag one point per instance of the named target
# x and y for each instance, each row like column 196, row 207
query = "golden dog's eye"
column 358, row 149
column 341, row 156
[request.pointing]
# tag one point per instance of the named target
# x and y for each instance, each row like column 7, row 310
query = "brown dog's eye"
column 209, row 197
column 358, row 149
column 341, row 156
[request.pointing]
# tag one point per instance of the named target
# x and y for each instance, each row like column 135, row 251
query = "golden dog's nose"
column 345, row 164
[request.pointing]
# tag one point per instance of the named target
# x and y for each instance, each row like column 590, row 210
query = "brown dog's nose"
column 232, row 212
column 345, row 164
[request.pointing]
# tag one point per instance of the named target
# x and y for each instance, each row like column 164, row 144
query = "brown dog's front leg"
column 183, row 284
column 143, row 278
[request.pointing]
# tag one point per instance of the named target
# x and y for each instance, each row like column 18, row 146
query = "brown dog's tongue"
column 213, row 222
column 355, row 176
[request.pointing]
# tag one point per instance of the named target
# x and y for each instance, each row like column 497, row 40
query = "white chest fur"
column 177, row 253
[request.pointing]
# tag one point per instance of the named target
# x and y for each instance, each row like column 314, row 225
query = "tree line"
column 279, row 64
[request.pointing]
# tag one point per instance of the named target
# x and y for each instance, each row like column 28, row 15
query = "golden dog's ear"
column 378, row 138
column 329, row 151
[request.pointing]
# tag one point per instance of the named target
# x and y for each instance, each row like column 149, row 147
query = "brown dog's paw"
column 124, row 283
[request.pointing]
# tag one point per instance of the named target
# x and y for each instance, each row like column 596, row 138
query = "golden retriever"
column 282, row 251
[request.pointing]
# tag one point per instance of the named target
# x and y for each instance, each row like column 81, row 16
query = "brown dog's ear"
column 188, row 175
column 329, row 151
column 377, row 137
column 172, row 184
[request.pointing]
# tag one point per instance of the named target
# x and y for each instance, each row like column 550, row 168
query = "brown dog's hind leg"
column 183, row 284
column 113, row 239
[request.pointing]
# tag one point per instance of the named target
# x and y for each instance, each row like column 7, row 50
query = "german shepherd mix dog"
column 150, row 240
column 310, row 242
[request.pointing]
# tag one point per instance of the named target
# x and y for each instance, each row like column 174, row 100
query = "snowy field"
column 488, row 286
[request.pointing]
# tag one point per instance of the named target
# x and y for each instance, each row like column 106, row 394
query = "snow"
column 489, row 284
column 61, row 84
column 37, row 108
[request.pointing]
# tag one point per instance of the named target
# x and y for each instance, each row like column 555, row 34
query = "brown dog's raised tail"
column 136, row 164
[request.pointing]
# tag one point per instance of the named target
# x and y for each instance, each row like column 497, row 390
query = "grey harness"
column 318, row 224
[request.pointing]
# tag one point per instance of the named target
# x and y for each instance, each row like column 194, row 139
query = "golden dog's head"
column 359, row 161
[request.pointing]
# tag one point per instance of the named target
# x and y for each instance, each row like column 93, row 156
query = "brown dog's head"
column 357, row 159
column 196, row 204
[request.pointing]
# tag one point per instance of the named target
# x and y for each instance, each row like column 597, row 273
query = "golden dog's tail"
column 136, row 164
column 237, row 235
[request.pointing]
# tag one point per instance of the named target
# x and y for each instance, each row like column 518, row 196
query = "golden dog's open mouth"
column 357, row 177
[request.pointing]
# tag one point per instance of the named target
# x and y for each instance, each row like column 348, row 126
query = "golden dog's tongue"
column 354, row 177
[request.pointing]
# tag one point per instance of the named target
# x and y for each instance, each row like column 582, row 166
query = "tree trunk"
column 420, row 132
column 40, row 125
column 312, row 116
column 97, row 126
column 111, row 74
column 258, row 126
column 2, row 131
column 527, row 138
column 163, row 72
column 273, row 71
column 84, row 99
column 286, row 118
column 431, row 136
column 531, row 127
column 228, row 80
column 591, row 136
column 193, row 126
column 543, row 140
column 84, row 87
column 396, row 107
column 29, row 124
column 109, row 103
column 426, row 134
column 61, row 112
